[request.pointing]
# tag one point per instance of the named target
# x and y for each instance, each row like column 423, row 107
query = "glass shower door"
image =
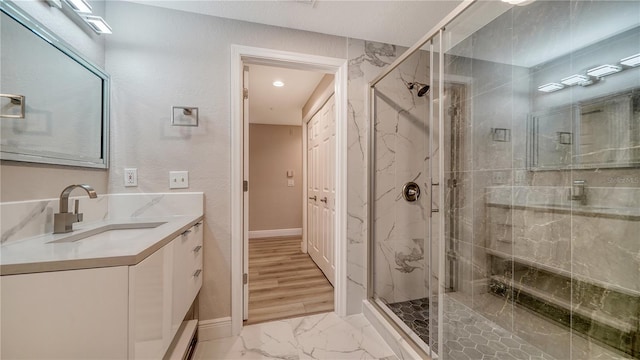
column 540, row 154
column 400, row 196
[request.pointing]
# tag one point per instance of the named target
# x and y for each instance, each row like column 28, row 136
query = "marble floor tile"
column 322, row 336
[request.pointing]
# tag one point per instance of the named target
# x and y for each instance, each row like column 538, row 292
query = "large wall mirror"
column 584, row 106
column 596, row 133
column 54, row 103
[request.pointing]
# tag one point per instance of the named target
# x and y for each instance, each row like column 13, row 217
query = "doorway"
column 241, row 56
column 283, row 280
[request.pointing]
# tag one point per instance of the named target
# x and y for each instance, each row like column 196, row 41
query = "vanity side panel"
column 150, row 301
column 78, row 314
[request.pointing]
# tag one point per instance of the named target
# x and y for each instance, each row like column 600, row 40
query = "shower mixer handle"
column 411, row 191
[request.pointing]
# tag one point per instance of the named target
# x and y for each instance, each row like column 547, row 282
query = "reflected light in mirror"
column 604, row 70
column 550, row 87
column 98, row 24
column 575, row 80
column 633, row 60
column 80, row 6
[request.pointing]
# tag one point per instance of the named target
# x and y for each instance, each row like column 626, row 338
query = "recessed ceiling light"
column 550, row 87
column 633, row 60
column 80, row 6
column 98, row 24
column 604, row 70
column 575, row 80
column 278, row 83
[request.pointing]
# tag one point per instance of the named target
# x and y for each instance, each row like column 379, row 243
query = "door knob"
column 314, row 198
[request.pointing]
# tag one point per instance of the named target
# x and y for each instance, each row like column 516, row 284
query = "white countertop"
column 116, row 248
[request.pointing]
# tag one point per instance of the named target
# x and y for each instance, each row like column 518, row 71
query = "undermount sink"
column 127, row 229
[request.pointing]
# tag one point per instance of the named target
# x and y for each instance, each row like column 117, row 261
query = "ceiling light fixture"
column 604, row 70
column 518, row 2
column 278, row 83
column 575, row 80
column 550, row 87
column 80, row 6
column 633, row 60
column 98, row 24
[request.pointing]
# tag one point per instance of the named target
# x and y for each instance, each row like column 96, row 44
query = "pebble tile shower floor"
column 468, row 336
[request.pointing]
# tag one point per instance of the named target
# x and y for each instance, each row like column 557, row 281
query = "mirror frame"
column 533, row 133
column 20, row 16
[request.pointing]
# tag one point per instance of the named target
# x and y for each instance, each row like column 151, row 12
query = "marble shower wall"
column 401, row 155
column 366, row 61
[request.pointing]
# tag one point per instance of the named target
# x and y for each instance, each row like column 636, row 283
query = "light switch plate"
column 290, row 182
column 178, row 179
column 130, row 177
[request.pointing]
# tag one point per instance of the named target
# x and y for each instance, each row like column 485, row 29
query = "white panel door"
column 321, row 174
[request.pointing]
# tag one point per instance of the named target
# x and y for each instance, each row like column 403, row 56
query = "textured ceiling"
column 394, row 22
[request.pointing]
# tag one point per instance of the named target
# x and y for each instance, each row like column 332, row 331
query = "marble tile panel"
column 322, row 336
column 155, row 205
column 25, row 219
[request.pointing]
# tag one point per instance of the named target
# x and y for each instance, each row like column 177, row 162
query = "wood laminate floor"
column 284, row 282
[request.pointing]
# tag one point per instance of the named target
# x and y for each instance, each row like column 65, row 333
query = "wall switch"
column 290, row 183
column 289, row 173
column 130, row 177
column 178, row 179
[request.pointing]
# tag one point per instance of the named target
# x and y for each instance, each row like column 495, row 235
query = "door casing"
column 253, row 55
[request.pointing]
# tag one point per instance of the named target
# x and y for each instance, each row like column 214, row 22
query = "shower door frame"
column 435, row 33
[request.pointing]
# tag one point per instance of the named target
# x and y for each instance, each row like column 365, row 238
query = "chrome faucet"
column 579, row 191
column 63, row 221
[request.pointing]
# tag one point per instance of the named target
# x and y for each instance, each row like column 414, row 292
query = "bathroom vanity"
column 118, row 288
column 559, row 253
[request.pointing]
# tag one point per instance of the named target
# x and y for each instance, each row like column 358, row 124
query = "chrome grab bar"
column 15, row 100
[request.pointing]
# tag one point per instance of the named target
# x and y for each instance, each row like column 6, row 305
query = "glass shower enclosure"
column 504, row 183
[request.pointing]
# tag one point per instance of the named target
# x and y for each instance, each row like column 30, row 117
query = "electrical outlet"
column 130, row 177
column 178, row 179
column 499, row 177
column 521, row 177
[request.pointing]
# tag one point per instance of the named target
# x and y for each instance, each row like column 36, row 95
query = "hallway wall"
column 274, row 150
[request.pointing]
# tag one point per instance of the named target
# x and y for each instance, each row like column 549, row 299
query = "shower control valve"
column 411, row 191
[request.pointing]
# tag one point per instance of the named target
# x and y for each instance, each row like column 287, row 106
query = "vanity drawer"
column 187, row 272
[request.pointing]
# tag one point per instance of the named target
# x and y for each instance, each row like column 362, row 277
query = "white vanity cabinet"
column 162, row 288
column 76, row 314
column 120, row 312
column 187, row 274
column 150, row 286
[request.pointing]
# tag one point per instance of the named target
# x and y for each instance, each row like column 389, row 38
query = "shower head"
column 421, row 88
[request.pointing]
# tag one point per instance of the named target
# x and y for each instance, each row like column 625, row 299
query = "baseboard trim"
column 214, row 329
column 256, row 234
